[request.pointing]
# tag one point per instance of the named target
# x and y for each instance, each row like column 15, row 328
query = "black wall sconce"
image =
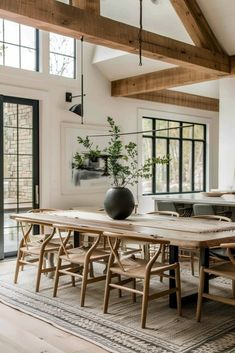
column 78, row 108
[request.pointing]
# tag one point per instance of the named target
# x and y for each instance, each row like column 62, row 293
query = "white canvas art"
column 92, row 176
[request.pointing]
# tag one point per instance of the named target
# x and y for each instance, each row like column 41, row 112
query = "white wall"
column 227, row 134
column 50, row 91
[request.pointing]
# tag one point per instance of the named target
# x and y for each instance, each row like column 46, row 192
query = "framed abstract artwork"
column 92, row 175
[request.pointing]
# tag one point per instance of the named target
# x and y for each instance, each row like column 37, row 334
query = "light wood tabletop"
column 181, row 232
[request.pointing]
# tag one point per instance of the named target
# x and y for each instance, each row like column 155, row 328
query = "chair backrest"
column 230, row 250
column 93, row 232
column 214, row 217
column 165, row 213
column 166, row 206
column 203, row 209
column 41, row 210
column 114, row 240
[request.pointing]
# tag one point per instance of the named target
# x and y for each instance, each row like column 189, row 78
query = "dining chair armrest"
column 213, row 217
column 228, row 246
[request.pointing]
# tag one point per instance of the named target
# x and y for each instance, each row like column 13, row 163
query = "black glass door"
column 19, row 166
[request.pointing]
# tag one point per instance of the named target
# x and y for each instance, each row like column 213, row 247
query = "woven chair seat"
column 136, row 268
column 36, row 249
column 78, row 255
column 226, row 270
column 221, row 253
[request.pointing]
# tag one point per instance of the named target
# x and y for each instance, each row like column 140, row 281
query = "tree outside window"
column 18, row 46
column 62, row 56
column 186, row 146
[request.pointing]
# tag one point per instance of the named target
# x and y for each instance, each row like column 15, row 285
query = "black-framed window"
column 186, row 146
column 62, row 55
column 19, row 46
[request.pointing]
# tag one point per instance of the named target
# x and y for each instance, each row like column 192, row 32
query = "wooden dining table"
column 189, row 233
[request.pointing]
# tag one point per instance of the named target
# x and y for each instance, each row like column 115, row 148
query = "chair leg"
column 192, row 263
column 107, row 291
column 163, row 259
column 200, row 294
column 57, row 275
column 233, row 287
column 22, row 258
column 91, row 270
column 84, row 283
column 134, row 287
column 119, row 290
column 145, row 302
column 73, row 281
column 178, row 293
column 40, row 266
column 17, row 266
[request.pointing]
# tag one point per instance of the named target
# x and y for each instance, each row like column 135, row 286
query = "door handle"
column 37, row 194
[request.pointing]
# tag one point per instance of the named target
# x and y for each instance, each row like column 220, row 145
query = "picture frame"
column 91, row 178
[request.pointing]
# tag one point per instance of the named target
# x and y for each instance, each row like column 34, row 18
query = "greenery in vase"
column 123, row 166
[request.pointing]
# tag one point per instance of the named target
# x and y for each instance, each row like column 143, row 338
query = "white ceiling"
column 162, row 19
column 220, row 15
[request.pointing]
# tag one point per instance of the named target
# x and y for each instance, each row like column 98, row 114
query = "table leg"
column 173, row 257
column 76, row 239
column 204, row 261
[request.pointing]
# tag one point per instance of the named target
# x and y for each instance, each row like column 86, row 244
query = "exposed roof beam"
column 89, row 5
column 158, row 80
column 232, row 65
column 54, row 16
column 181, row 99
column 196, row 24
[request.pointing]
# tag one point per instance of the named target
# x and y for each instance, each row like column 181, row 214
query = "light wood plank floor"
column 21, row 333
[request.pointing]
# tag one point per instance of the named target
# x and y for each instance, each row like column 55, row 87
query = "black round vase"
column 119, row 202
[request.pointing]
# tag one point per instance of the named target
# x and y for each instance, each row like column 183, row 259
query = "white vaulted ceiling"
column 162, row 19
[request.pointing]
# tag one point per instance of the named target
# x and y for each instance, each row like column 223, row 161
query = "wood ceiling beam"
column 158, row 80
column 54, row 16
column 181, row 99
column 232, row 61
column 89, row 5
column 196, row 24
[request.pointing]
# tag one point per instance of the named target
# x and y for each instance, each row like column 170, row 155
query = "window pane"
column 10, row 141
column 28, row 36
column 12, row 57
column 11, row 239
column 11, row 32
column 25, row 141
column 147, row 124
column 10, row 191
column 25, row 166
column 161, row 177
column 1, row 30
column 10, row 114
column 25, row 116
column 187, row 131
column 199, row 132
column 28, row 59
column 161, row 124
column 10, row 166
column 25, row 190
column 174, row 165
column 147, row 153
column 61, row 44
column 199, row 166
column 61, row 65
column 1, row 53
column 175, row 132
column 187, row 165
column 8, row 222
